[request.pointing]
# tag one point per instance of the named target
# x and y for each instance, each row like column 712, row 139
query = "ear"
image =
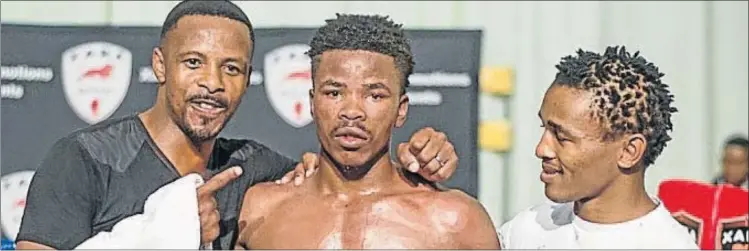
column 158, row 66
column 312, row 101
column 634, row 147
column 402, row 111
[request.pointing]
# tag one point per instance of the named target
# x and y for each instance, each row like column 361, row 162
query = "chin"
column 351, row 158
column 214, row 125
column 557, row 196
column 200, row 133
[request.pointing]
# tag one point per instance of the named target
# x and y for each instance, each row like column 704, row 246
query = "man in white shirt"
column 606, row 119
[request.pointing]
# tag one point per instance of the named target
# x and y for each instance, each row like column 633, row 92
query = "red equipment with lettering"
column 718, row 216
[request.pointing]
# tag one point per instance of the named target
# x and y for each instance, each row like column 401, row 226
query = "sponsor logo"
column 146, row 76
column 440, row 79
column 428, row 98
column 287, row 83
column 14, row 75
column 15, row 186
column 734, row 234
column 95, row 79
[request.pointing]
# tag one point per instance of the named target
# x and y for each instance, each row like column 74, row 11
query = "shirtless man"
column 360, row 199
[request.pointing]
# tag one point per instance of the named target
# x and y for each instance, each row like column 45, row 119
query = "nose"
column 212, row 81
column 352, row 109
column 544, row 150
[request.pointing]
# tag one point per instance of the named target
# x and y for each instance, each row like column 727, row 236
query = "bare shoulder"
column 264, row 196
column 437, row 198
column 259, row 200
column 267, row 189
column 464, row 218
column 456, row 201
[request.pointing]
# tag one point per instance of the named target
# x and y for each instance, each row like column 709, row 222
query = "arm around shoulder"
column 62, row 199
column 274, row 164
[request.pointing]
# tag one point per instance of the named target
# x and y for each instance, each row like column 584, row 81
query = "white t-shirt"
column 555, row 226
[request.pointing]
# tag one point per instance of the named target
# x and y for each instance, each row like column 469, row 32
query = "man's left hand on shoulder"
column 428, row 153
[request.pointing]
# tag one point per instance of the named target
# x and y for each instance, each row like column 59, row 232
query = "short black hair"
column 223, row 8
column 372, row 33
column 737, row 140
column 630, row 95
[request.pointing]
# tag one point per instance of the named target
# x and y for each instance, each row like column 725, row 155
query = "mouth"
column 548, row 173
column 207, row 107
column 351, row 138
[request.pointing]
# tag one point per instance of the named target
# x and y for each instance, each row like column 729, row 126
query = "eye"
column 192, row 63
column 332, row 94
column 377, row 96
column 233, row 70
column 555, row 132
column 560, row 138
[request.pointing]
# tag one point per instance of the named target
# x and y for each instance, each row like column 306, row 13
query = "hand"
column 430, row 154
column 303, row 169
column 207, row 208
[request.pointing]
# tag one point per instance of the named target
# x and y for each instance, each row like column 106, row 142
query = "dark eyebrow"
column 555, row 126
column 558, row 127
column 235, row 60
column 376, row 86
column 226, row 60
column 183, row 54
column 332, row 83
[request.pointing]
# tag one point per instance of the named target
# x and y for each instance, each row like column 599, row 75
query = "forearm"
column 28, row 245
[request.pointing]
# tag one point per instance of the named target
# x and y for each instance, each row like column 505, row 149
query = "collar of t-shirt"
column 586, row 226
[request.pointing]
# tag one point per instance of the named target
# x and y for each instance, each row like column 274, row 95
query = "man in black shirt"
column 95, row 177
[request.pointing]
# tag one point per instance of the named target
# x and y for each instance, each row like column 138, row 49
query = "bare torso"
column 407, row 217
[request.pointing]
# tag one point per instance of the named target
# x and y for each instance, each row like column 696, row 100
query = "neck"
column 185, row 155
column 740, row 182
column 375, row 176
column 623, row 200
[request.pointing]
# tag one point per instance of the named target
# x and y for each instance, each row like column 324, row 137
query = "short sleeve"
column 62, row 200
column 504, row 234
column 273, row 164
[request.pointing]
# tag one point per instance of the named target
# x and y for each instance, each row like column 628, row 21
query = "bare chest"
column 348, row 225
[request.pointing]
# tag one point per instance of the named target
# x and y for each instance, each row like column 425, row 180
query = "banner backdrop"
column 59, row 79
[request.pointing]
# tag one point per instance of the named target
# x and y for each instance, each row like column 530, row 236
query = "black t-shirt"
column 95, row 177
